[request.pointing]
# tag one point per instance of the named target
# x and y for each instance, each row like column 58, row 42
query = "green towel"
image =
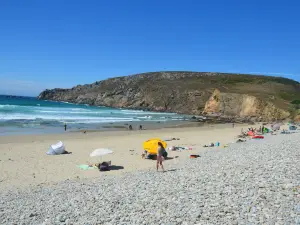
column 85, row 167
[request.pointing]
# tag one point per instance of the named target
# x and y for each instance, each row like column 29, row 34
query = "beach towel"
column 179, row 148
column 258, row 137
column 85, row 167
column 250, row 133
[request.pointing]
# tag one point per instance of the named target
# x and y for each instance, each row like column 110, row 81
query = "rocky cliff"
column 243, row 106
column 194, row 93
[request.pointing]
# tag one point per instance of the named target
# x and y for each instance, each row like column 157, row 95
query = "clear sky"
column 61, row 43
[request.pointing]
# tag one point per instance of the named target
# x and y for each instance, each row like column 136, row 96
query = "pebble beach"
column 255, row 182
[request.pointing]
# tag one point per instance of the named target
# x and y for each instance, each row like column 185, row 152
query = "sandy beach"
column 23, row 160
column 255, row 182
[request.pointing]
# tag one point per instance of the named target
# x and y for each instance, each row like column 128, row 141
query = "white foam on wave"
column 9, row 106
column 97, row 112
column 48, row 109
column 73, row 114
column 144, row 117
column 135, row 112
column 79, row 109
column 77, row 112
column 69, row 103
column 37, row 107
column 103, row 120
column 18, row 116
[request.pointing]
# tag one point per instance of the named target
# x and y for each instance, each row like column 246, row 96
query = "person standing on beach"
column 160, row 158
column 65, row 127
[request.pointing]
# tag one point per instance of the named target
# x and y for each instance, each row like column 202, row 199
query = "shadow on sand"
column 167, row 158
column 171, row 170
column 113, row 167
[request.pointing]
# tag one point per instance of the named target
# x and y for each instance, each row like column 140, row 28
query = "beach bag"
column 165, row 154
column 56, row 149
column 103, row 166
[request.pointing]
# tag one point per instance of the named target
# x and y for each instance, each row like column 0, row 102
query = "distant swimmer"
column 65, row 127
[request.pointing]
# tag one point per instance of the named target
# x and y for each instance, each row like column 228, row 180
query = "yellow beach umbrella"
column 151, row 145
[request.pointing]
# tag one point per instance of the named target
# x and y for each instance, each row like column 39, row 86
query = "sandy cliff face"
column 242, row 105
column 188, row 93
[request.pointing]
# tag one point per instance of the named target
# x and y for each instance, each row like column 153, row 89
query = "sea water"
column 30, row 115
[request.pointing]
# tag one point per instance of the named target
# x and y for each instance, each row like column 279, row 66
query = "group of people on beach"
column 131, row 128
column 259, row 130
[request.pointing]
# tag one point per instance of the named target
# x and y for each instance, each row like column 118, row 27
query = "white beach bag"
column 56, row 149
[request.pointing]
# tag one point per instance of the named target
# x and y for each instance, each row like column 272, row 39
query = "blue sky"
column 62, row 43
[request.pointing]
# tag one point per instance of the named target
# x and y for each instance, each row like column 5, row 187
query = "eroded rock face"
column 242, row 105
column 214, row 102
column 188, row 93
column 297, row 118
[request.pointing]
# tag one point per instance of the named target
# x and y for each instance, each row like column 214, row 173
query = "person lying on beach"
column 144, row 155
column 104, row 166
column 210, row 145
column 93, row 164
column 160, row 158
column 66, row 152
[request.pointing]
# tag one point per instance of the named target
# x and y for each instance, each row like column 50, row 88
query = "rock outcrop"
column 243, row 106
column 192, row 93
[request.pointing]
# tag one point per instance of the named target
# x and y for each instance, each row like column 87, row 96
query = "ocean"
column 20, row 115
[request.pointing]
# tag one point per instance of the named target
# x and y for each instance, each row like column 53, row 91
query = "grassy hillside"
column 182, row 92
